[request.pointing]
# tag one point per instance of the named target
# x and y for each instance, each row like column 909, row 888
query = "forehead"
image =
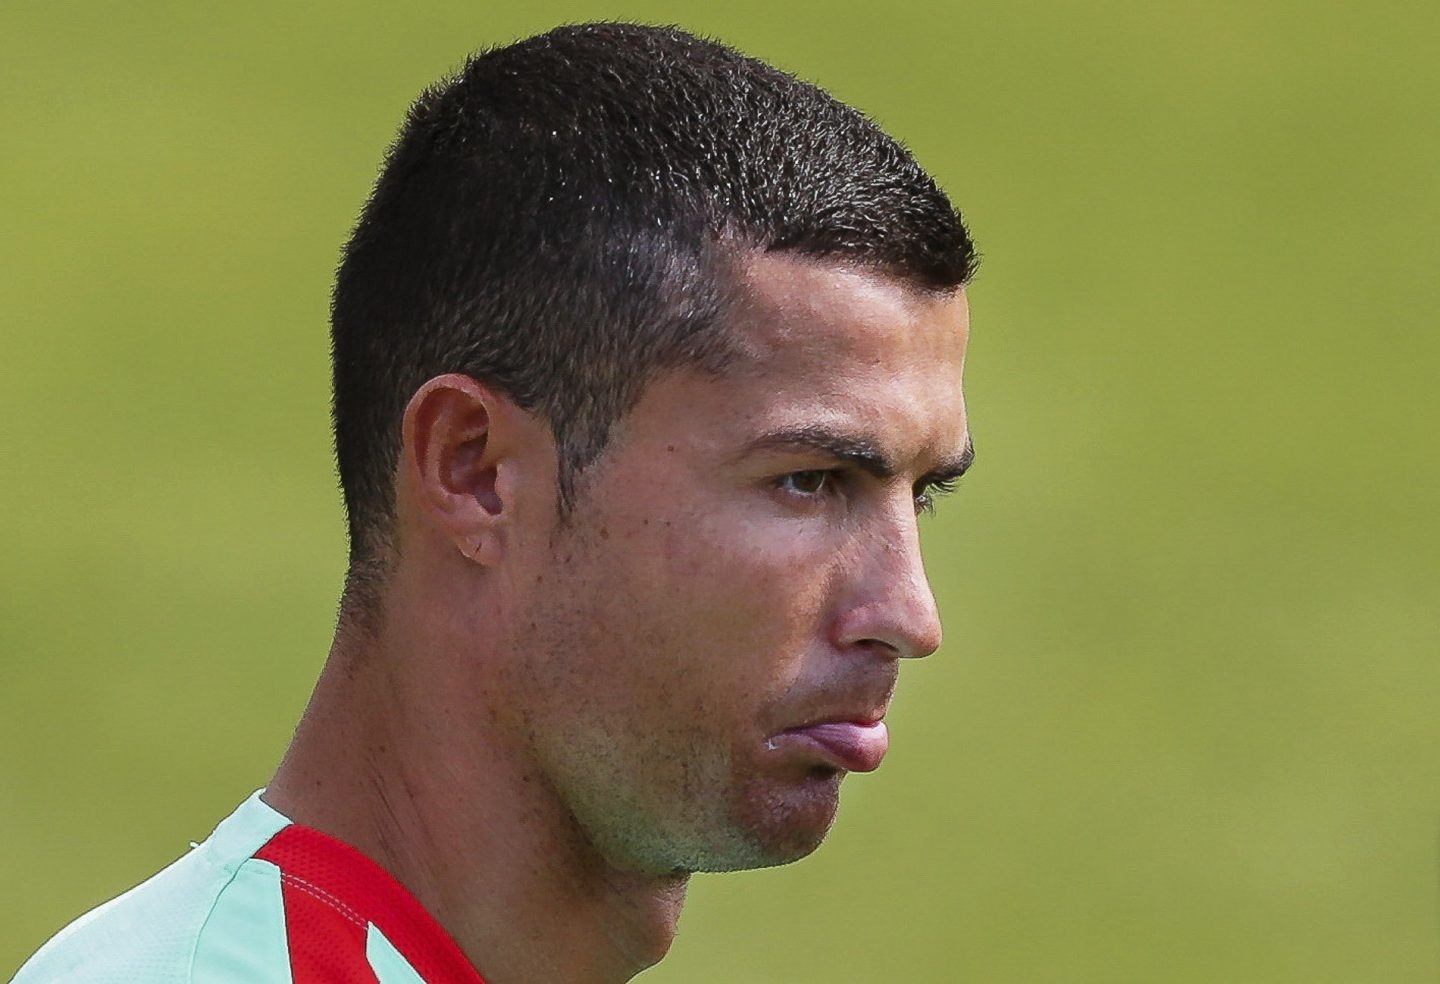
column 796, row 309
column 820, row 341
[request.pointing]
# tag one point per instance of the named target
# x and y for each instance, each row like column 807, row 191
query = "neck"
column 420, row 777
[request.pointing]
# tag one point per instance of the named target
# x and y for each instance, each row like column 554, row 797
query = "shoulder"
column 191, row 922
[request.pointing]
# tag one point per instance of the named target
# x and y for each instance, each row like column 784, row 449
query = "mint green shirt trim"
column 243, row 832
column 243, row 936
column 243, row 940
column 153, row 934
column 389, row 966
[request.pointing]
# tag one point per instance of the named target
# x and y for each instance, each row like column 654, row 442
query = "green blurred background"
column 1186, row 722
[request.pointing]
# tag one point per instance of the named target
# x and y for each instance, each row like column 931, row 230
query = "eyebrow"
column 857, row 450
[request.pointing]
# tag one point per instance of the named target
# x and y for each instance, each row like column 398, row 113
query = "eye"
column 808, row 483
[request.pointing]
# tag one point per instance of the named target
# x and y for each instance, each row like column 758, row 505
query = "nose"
column 892, row 607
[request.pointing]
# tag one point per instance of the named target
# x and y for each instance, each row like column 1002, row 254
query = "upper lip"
column 864, row 704
column 867, row 719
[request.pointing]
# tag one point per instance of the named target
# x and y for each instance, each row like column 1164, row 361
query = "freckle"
column 539, row 578
column 669, row 447
column 604, row 533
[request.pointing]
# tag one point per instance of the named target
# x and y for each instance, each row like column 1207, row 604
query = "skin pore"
column 554, row 724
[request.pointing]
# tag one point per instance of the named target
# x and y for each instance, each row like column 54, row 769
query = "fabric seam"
column 324, row 897
column 205, row 923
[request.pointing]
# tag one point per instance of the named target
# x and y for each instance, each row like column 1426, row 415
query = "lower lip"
column 851, row 745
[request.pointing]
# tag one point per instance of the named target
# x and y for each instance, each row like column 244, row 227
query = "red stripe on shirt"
column 326, row 937
column 332, row 892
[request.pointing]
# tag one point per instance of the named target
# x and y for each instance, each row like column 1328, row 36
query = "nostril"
column 881, row 648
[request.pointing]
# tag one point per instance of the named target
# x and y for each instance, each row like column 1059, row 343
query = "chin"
column 784, row 823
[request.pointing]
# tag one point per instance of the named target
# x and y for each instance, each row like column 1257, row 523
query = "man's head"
column 646, row 352
column 564, row 218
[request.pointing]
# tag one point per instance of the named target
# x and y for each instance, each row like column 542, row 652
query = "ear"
column 460, row 440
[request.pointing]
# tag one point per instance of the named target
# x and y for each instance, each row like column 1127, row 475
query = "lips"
column 855, row 746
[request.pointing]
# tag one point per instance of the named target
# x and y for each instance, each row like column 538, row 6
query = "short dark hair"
column 555, row 221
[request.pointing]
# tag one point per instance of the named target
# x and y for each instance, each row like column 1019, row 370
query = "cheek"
column 735, row 608
column 691, row 619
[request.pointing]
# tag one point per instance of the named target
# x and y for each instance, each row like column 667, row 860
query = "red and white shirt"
column 261, row 900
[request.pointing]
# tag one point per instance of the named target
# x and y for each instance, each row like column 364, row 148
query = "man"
column 647, row 356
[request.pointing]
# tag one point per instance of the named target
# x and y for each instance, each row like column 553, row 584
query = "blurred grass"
column 1184, row 726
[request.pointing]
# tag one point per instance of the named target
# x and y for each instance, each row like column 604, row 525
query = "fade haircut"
column 561, row 221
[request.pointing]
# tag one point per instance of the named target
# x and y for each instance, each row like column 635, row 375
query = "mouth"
column 852, row 746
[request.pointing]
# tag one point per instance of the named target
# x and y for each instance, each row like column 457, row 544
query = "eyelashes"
column 929, row 493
